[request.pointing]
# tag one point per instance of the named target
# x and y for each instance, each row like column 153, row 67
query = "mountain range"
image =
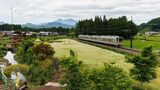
column 1, row 23
column 67, row 23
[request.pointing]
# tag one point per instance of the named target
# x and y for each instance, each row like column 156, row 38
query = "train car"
column 108, row 39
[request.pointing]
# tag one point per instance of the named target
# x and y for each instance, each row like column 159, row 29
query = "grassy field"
column 91, row 55
column 139, row 43
column 95, row 56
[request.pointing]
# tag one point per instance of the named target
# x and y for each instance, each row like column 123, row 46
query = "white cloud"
column 37, row 11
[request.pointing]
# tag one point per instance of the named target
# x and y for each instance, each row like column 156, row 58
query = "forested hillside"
column 103, row 26
column 8, row 27
column 153, row 25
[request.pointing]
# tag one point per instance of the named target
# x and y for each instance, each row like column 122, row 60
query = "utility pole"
column 12, row 18
column 131, row 34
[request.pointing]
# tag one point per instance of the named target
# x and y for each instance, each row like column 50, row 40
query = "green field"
column 95, row 56
column 139, row 43
column 91, row 55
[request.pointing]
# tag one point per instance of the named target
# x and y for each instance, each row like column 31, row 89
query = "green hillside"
column 145, row 29
column 152, row 25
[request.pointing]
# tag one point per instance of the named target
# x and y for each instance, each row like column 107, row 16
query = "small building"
column 152, row 33
column 42, row 33
column 29, row 33
column 54, row 33
column 7, row 33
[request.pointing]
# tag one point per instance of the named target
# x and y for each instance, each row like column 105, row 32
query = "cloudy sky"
column 39, row 11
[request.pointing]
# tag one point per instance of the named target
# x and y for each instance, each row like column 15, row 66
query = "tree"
column 113, row 26
column 145, row 65
column 110, row 78
column 76, row 77
column 39, row 58
column 25, row 52
column 79, row 77
column 8, row 27
column 43, row 51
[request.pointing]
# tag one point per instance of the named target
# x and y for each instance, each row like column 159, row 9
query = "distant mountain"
column 30, row 25
column 1, row 23
column 152, row 25
column 68, row 23
column 57, row 24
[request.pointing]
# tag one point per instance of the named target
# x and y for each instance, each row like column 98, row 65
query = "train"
column 111, row 40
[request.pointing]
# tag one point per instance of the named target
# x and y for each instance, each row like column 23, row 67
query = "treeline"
column 103, row 26
column 60, row 30
column 8, row 27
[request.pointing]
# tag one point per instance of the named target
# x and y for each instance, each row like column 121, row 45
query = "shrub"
column 3, row 51
column 39, row 58
column 145, row 65
column 25, row 53
column 76, row 77
column 79, row 77
column 16, row 68
column 110, row 78
column 3, row 60
column 39, row 75
column 43, row 51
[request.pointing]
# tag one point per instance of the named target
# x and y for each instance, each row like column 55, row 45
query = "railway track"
column 118, row 49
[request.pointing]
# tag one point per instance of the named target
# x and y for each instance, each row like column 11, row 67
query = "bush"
column 76, row 77
column 43, row 51
column 79, row 77
column 25, row 53
column 39, row 75
column 39, row 58
column 16, row 68
column 110, row 78
column 3, row 51
column 145, row 65
column 3, row 60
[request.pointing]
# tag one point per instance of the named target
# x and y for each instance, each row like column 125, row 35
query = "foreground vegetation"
column 3, row 43
column 62, row 49
column 38, row 56
column 77, row 76
column 91, row 67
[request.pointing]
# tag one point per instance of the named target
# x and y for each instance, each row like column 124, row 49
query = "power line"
column 12, row 18
column 131, row 34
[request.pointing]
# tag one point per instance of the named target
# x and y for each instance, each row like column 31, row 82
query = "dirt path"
column 48, row 88
column 53, row 84
column 1, row 85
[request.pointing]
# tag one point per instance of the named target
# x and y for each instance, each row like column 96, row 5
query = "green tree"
column 43, row 51
column 76, row 77
column 110, row 78
column 25, row 52
column 113, row 26
column 39, row 58
column 145, row 65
